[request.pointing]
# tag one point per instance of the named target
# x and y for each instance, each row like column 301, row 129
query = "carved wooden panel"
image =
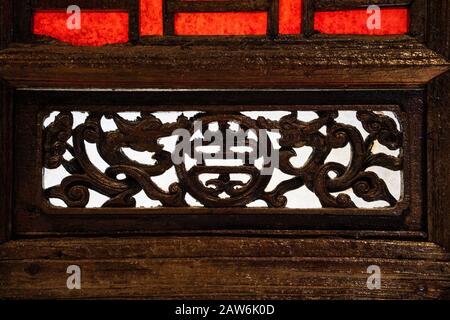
column 298, row 166
column 146, row 131
column 234, row 250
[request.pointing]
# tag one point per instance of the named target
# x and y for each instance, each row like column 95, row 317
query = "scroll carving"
column 125, row 177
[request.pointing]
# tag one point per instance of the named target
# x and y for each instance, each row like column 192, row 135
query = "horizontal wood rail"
column 330, row 64
column 225, row 268
column 222, row 255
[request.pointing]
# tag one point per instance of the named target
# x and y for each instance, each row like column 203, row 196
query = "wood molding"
column 236, row 246
column 5, row 23
column 235, row 64
column 6, row 161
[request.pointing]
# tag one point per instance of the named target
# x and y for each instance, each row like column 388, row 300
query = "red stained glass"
column 221, row 23
column 393, row 21
column 290, row 16
column 151, row 17
column 102, row 27
column 97, row 28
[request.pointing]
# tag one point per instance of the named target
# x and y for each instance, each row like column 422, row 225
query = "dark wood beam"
column 438, row 39
column 83, row 4
column 221, row 6
column 6, row 161
column 332, row 5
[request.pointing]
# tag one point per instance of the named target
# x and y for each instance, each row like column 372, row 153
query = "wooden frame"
column 405, row 216
column 280, row 263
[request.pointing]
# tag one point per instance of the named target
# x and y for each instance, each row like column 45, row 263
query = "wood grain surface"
column 223, row 268
column 234, row 64
column 276, row 264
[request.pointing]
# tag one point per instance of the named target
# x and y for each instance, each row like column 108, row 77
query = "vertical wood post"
column 6, row 161
column 438, row 132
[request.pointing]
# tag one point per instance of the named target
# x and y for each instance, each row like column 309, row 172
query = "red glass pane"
column 393, row 21
column 290, row 16
column 151, row 17
column 97, row 28
column 108, row 27
column 221, row 23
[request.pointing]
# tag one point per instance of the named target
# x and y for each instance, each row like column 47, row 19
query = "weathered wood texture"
column 5, row 23
column 84, row 4
column 307, row 18
column 217, row 246
column 222, row 6
column 235, row 64
column 6, row 161
column 327, row 5
column 221, row 268
column 439, row 129
column 22, row 20
column 418, row 17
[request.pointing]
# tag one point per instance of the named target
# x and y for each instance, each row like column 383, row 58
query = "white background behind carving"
column 299, row 198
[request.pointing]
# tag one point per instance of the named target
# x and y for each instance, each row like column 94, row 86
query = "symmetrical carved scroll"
column 125, row 177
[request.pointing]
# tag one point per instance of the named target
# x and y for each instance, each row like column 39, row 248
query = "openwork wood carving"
column 125, row 177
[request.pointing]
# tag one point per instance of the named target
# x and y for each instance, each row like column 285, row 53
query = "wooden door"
column 357, row 171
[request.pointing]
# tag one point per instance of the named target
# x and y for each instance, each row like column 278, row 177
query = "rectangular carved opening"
column 276, row 159
column 200, row 167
